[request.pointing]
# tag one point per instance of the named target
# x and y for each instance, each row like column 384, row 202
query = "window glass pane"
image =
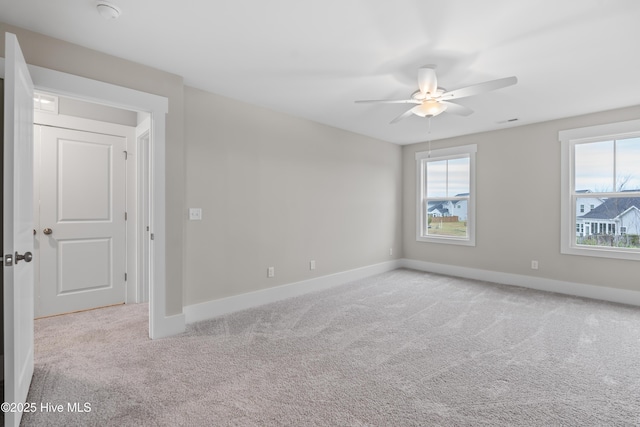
column 454, row 225
column 446, row 177
column 436, row 179
column 458, row 177
column 628, row 164
column 613, row 222
column 594, row 166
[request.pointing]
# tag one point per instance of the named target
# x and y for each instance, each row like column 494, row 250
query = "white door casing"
column 143, row 209
column 161, row 324
column 81, row 227
column 17, row 230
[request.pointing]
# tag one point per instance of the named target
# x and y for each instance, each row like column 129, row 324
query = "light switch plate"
column 195, row 214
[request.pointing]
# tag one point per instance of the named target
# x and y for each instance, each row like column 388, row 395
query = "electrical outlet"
column 390, row 251
column 271, row 272
column 312, row 264
column 534, row 264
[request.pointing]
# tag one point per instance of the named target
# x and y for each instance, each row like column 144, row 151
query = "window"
column 446, row 195
column 581, row 208
column 603, row 163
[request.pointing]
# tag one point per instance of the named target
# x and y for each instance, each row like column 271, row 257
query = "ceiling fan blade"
column 457, row 109
column 388, row 101
column 480, row 88
column 427, row 80
column 404, row 115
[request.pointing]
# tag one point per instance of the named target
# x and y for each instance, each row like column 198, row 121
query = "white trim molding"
column 166, row 326
column 422, row 201
column 568, row 221
column 82, row 88
column 598, row 132
column 210, row 309
column 622, row 296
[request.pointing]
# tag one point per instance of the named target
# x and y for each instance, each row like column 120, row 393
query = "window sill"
column 446, row 240
column 601, row 252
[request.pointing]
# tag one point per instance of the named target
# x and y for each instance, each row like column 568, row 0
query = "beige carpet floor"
column 403, row 348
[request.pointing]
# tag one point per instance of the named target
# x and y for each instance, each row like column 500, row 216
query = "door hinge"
column 126, row 155
column 125, row 216
column 151, row 236
column 125, row 277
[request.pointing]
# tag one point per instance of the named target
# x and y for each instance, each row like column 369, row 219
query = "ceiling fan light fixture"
column 108, row 10
column 432, row 100
column 430, row 109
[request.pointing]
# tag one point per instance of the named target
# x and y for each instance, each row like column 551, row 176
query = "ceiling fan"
column 432, row 100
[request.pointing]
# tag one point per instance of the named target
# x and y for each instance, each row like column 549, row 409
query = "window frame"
column 568, row 140
column 421, row 157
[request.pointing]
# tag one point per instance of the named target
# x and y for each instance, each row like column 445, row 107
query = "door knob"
column 47, row 231
column 27, row 257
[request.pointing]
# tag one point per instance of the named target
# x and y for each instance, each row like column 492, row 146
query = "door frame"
column 142, row 145
column 63, row 84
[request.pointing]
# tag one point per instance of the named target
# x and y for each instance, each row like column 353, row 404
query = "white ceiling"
column 312, row 59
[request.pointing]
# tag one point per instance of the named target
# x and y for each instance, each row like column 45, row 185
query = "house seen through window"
column 603, row 173
column 445, row 195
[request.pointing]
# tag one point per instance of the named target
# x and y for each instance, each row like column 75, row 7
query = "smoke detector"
column 108, row 10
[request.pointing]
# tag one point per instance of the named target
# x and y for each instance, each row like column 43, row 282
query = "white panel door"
column 81, row 227
column 17, row 229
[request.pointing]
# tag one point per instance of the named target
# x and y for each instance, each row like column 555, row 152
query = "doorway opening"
column 91, row 205
column 156, row 107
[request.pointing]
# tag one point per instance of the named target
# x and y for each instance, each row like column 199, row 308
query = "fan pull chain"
column 429, row 138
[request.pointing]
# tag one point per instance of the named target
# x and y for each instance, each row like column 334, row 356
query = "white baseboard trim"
column 168, row 326
column 623, row 296
column 210, row 309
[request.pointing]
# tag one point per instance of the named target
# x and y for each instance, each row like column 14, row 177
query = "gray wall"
column 279, row 191
column 518, row 207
